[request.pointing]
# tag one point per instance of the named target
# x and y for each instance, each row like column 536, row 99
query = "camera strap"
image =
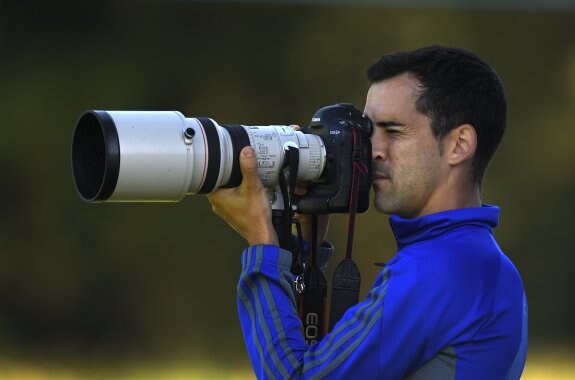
column 311, row 284
column 347, row 278
column 287, row 188
column 284, row 218
column 312, row 300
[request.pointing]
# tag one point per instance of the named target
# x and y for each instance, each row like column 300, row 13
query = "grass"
column 550, row 362
column 28, row 371
column 556, row 363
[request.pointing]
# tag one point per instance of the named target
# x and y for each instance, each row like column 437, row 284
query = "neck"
column 454, row 195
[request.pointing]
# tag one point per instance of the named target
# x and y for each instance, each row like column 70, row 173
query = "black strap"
column 347, row 278
column 311, row 284
column 283, row 219
column 345, row 290
column 313, row 304
column 313, row 298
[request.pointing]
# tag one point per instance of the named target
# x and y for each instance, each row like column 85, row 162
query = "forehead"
column 393, row 95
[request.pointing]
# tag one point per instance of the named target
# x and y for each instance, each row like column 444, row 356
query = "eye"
column 392, row 131
column 391, row 127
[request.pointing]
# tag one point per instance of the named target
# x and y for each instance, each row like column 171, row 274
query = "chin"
column 383, row 205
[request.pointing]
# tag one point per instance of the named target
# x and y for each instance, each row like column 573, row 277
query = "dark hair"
column 457, row 88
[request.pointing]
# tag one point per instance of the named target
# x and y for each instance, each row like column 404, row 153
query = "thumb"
column 249, row 167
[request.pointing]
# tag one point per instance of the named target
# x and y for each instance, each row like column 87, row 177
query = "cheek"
column 415, row 161
column 404, row 154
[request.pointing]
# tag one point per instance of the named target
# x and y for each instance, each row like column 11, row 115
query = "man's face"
column 407, row 162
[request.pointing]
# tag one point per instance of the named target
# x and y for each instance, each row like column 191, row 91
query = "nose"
column 379, row 145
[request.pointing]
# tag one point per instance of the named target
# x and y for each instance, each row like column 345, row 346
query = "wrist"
column 264, row 236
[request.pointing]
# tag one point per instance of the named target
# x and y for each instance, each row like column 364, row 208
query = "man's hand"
column 246, row 208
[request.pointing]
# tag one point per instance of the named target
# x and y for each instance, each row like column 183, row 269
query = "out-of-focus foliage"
column 111, row 280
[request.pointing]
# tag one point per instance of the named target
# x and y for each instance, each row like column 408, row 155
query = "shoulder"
column 454, row 273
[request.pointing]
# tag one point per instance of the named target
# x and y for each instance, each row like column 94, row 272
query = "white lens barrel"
column 269, row 141
column 155, row 161
column 162, row 156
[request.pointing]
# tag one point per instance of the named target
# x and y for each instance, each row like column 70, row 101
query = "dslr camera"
column 162, row 156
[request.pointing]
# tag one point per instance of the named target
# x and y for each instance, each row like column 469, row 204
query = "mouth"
column 379, row 177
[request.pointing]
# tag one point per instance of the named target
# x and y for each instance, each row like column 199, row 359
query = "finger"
column 295, row 127
column 249, row 168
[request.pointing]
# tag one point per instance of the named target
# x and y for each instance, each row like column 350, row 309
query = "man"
column 450, row 304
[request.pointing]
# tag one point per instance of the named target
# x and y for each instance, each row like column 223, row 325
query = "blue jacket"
column 449, row 305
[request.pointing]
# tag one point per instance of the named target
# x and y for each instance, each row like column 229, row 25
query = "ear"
column 462, row 144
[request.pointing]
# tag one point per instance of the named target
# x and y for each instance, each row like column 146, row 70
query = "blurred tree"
column 140, row 278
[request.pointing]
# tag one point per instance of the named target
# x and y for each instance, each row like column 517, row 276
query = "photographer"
column 449, row 304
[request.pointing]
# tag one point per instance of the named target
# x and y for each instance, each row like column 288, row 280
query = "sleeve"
column 273, row 332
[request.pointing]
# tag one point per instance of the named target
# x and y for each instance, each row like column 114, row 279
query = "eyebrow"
column 388, row 123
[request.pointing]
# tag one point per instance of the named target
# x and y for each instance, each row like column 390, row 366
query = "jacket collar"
column 409, row 231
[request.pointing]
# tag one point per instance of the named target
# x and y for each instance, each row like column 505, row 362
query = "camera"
column 162, row 156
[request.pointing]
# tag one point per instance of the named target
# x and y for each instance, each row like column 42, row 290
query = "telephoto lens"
column 162, row 156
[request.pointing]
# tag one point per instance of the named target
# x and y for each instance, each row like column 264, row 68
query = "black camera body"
column 345, row 132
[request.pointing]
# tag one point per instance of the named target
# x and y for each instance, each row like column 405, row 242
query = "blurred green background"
column 99, row 285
